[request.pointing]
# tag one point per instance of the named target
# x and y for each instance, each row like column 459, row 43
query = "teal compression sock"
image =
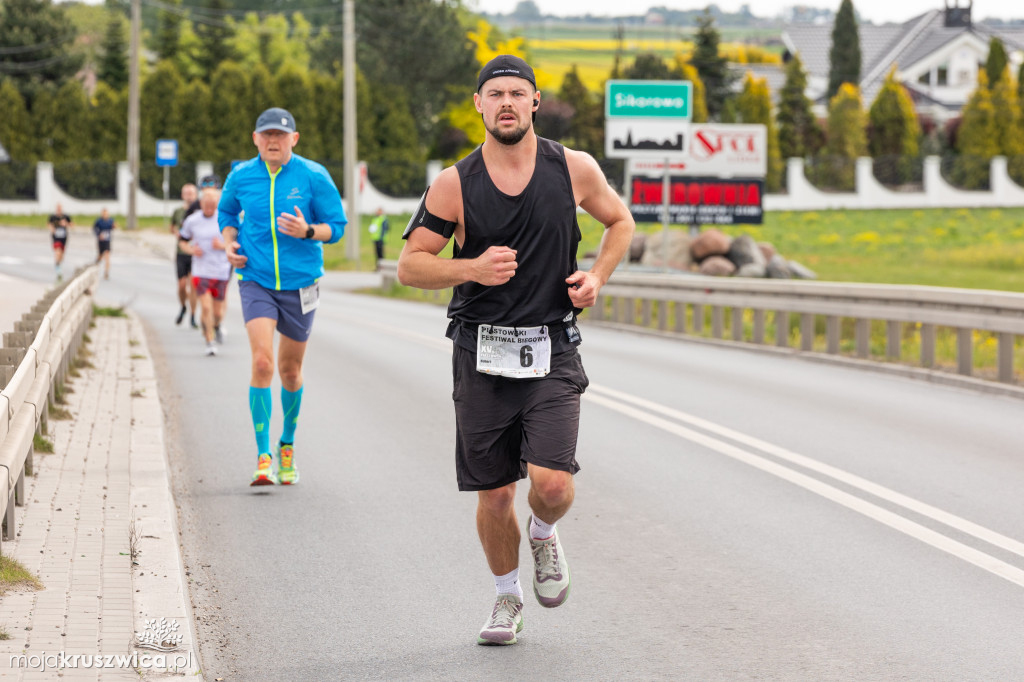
column 259, row 406
column 290, row 403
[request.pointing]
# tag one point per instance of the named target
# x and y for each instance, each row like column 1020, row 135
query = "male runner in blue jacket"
column 290, row 205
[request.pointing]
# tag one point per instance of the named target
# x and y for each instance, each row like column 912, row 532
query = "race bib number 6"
column 513, row 352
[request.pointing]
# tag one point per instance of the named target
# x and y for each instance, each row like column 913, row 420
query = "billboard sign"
column 716, row 149
column 697, row 201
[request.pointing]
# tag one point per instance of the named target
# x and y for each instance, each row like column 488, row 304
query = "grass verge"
column 14, row 576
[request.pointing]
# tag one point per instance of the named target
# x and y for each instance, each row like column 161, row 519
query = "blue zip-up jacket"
column 277, row 261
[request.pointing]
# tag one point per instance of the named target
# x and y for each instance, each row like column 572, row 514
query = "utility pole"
column 133, row 116
column 349, row 113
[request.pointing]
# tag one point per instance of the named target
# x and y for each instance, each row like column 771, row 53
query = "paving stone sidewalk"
column 103, row 491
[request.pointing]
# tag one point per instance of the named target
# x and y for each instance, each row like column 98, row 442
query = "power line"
column 34, row 47
column 25, row 67
column 209, row 21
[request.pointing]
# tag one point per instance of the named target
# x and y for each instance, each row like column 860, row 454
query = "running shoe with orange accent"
column 264, row 474
column 287, row 472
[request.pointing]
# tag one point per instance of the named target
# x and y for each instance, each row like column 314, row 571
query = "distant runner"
column 60, row 224
column 200, row 236
column 183, row 260
column 103, row 228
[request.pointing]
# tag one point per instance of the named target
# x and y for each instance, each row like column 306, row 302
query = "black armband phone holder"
column 424, row 218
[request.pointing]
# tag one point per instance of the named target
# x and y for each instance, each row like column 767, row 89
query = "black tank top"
column 540, row 224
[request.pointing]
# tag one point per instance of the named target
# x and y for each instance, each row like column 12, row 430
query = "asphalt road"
column 738, row 515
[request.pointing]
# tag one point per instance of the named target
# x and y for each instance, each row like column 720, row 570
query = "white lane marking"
column 852, row 480
column 11, row 260
column 872, row 511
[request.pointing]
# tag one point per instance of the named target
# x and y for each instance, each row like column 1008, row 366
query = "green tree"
column 15, row 125
column 328, row 122
column 189, row 53
column 711, row 66
column 72, row 115
column 261, row 92
column 108, row 117
column 45, row 120
column 586, row 130
column 844, row 56
column 526, row 11
column 847, row 139
column 292, row 85
column 894, row 132
column 113, row 68
column 799, row 133
column 168, row 33
column 36, row 37
column 700, row 100
column 160, row 104
column 648, row 66
column 996, row 61
column 420, row 46
column 977, row 139
column 754, row 105
column 1007, row 120
column 194, row 142
column 231, row 122
column 396, row 164
column 215, row 36
column 272, row 41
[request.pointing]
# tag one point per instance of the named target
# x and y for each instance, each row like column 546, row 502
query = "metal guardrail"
column 35, row 359
column 684, row 304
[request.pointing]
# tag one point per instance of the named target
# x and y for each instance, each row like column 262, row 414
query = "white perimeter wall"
column 801, row 195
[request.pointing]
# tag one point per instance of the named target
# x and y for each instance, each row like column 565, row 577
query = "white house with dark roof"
column 937, row 56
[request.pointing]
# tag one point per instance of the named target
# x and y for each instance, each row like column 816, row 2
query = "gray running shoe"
column 505, row 621
column 218, row 335
column 550, row 570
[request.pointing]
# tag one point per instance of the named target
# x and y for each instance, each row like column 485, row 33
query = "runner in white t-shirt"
column 200, row 236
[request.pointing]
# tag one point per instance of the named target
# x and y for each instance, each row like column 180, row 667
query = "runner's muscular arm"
column 595, row 196
column 420, row 266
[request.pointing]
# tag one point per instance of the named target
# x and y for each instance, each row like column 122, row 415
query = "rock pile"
column 714, row 253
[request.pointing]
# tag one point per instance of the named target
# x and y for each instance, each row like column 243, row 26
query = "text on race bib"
column 514, row 352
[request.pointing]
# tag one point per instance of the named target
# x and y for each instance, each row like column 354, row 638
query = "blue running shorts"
column 283, row 307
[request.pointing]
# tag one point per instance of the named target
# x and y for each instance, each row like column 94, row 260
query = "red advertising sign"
column 697, row 201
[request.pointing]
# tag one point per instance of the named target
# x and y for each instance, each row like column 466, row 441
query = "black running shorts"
column 503, row 424
column 183, row 262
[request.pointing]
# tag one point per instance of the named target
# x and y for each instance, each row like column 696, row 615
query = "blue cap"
column 275, row 118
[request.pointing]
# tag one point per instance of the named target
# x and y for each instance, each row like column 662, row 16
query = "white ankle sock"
column 509, row 584
column 540, row 530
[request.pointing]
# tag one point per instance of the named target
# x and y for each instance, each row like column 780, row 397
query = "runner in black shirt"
column 60, row 224
column 183, row 260
column 511, row 206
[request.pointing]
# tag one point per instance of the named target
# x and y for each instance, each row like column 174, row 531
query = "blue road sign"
column 167, row 152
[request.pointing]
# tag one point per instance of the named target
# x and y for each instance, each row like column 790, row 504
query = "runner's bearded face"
column 506, row 106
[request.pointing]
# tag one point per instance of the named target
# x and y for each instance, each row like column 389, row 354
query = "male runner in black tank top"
column 511, row 206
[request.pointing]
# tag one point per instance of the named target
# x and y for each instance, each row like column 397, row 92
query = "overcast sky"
column 878, row 11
